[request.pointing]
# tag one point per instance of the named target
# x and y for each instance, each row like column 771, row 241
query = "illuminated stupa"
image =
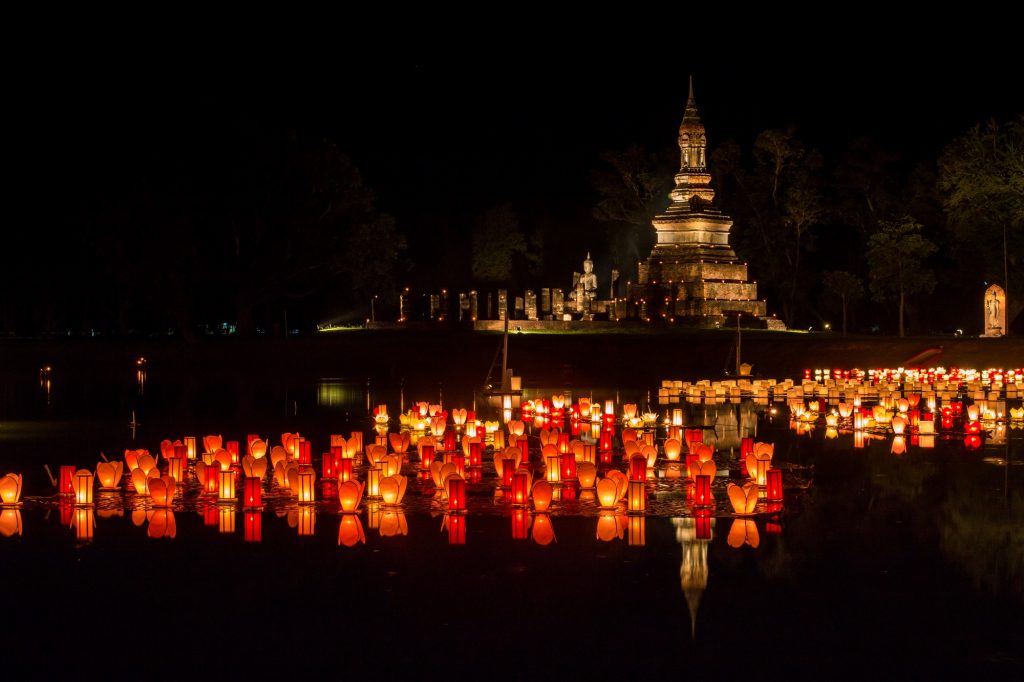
column 693, row 275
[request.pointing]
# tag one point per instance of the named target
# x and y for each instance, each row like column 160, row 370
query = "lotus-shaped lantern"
column 743, row 532
column 392, row 489
column 743, row 499
column 258, row 448
column 140, row 481
column 672, row 449
column 399, row 441
column 223, row 458
column 212, row 443
column 350, row 493
column 586, row 472
column 162, row 491
column 253, row 467
column 10, row 489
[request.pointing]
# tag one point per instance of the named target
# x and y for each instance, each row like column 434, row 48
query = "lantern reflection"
column 543, row 530
column 161, row 524
column 253, row 526
column 10, row 522
column 743, row 532
column 637, row 531
column 350, row 531
column 611, row 526
column 84, row 522
column 455, row 524
column 393, row 523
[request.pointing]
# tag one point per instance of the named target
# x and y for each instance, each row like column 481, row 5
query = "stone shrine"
column 995, row 311
column 692, row 274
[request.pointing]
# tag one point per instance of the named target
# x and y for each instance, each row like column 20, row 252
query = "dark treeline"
column 253, row 228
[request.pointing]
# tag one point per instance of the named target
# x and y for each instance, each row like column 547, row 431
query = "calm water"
column 915, row 559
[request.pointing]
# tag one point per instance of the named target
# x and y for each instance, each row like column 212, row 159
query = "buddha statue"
column 584, row 287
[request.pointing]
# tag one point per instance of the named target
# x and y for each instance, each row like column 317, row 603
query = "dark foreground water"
column 878, row 564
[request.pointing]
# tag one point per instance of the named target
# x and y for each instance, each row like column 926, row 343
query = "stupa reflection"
column 694, row 534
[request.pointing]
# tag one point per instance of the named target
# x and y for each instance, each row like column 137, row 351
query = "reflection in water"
column 337, row 393
column 10, row 522
column 694, row 534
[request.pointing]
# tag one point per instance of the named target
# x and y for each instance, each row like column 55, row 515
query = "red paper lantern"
column 475, row 454
column 563, row 443
column 449, row 440
column 568, row 466
column 523, row 443
column 67, row 473
column 253, row 526
column 233, row 451
column 775, row 485
column 345, row 470
column 327, row 467
column 520, row 492
column 606, row 457
column 211, row 486
column 520, row 524
column 606, row 441
column 305, row 453
column 252, row 494
column 972, row 427
column 426, row 456
column 694, row 435
column 507, row 470
column 568, row 493
column 456, row 494
column 702, row 491
column 637, row 468
column 692, row 464
column 574, row 428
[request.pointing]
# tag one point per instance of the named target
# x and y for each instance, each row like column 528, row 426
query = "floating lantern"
column 305, row 452
column 775, row 485
column 373, row 476
column 516, row 428
column 568, row 466
column 175, row 469
column 637, row 467
column 109, row 474
column 973, row 413
column 475, row 450
column 392, row 489
column 456, row 493
column 637, row 497
column 251, row 467
column 303, row 486
column 899, row 425
column 672, row 448
column 252, row 493
column 606, row 441
column 590, row 453
column 226, row 486
column 831, row 420
column 64, row 486
column 327, row 467
column 210, row 443
column 223, row 459
column 82, row 482
column 350, row 493
column 845, row 410
column 506, row 470
column 563, row 443
column 542, row 494
column 234, row 451
column 552, row 461
column 162, row 491
column 520, row 483
column 702, row 491
column 10, row 490
column 586, row 472
column 608, row 492
column 744, row 499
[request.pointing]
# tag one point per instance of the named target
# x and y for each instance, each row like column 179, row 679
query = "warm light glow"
column 162, row 491
column 637, row 497
column 672, row 448
column 350, row 493
column 743, row 532
column 542, row 494
column 586, row 472
column 392, row 489
column 82, row 482
column 226, row 489
column 10, row 489
column 744, row 499
column 456, row 486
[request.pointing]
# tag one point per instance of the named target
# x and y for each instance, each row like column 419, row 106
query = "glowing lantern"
column 637, row 467
column 223, row 459
column 456, row 526
column 650, row 454
column 10, row 490
column 84, row 521
column 392, row 489
column 744, row 499
column 449, row 440
column 587, row 474
column 775, row 485
column 672, row 449
column 516, row 428
column 590, row 453
column 207, row 475
column 845, row 410
column 393, row 523
column 373, row 477
column 552, row 461
column 327, row 467
column 568, row 466
column 610, row 526
column 437, row 426
column 146, row 462
column 190, row 447
column 563, row 443
column 475, row 450
column 426, row 456
column 175, row 468
column 226, row 487
column 253, row 526
column 606, row 441
column 109, row 474
column 390, row 465
column 692, row 465
column 637, row 497
column 899, row 425
column 302, row 486
column 520, row 483
column 305, row 452
column 350, row 493
column 705, row 453
column 899, row 445
column 67, row 472
column 505, row 467
column 972, row 427
column 459, row 415
column 523, row 444
column 400, row 441
column 162, row 491
column 252, row 493
column 234, row 451
column 456, row 493
column 831, row 420
column 82, row 484
column 608, row 492
column 702, row 492
column 542, row 494
column 252, row 467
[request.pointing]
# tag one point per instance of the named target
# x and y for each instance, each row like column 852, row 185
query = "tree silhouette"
column 844, row 287
column 896, row 255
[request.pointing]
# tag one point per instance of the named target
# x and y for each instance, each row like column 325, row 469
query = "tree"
column 633, row 190
column 982, row 177
column 497, row 239
column 896, row 255
column 843, row 286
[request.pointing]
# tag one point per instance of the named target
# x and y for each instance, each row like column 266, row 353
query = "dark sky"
column 460, row 128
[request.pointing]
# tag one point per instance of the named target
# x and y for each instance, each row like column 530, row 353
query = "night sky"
column 443, row 130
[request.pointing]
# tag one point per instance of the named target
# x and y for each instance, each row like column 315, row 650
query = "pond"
column 881, row 557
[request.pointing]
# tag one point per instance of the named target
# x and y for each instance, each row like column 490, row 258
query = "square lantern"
column 226, row 489
column 762, row 471
column 568, row 466
column 637, row 468
column 508, row 469
column 83, row 486
column 553, row 468
column 345, row 470
column 775, row 485
column 426, row 456
column 606, row 440
column 175, row 469
column 456, row 494
column 252, row 493
column 702, row 491
column 449, row 440
column 253, row 526
column 327, row 467
column 306, row 489
column 523, row 443
column 475, row 454
column 180, row 451
column 636, row 497
column 211, row 484
column 381, row 440
column 305, row 452
column 190, row 447
column 520, row 487
column 563, row 443
column 692, row 464
column 234, row 451
column 373, row 476
column 590, row 453
column 67, row 472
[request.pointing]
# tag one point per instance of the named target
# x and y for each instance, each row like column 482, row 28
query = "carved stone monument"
column 531, row 305
column 502, row 303
column 995, row 311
